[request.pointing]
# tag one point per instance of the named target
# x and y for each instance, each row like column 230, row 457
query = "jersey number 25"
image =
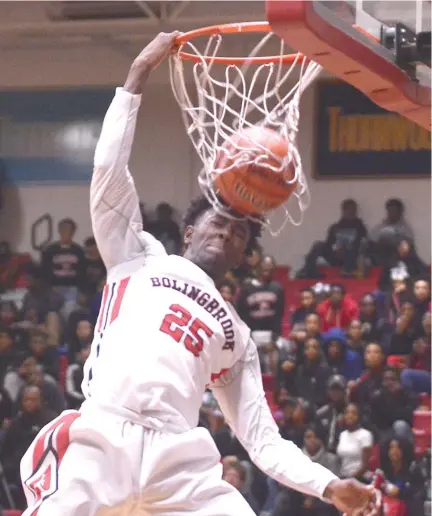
column 182, row 327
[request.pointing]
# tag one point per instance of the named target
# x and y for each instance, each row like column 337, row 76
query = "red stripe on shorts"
column 102, row 308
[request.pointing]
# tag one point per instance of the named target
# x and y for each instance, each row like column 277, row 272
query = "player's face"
column 216, row 243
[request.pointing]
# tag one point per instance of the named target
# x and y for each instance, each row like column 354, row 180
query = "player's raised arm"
column 114, row 205
column 242, row 400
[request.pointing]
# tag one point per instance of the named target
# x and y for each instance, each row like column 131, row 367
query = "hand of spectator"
column 308, row 502
column 402, row 324
column 288, row 366
column 149, row 58
column 353, row 498
column 299, row 336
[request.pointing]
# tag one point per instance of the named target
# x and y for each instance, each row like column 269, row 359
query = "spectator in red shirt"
column 338, row 311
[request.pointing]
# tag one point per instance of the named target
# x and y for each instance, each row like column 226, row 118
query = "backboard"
column 380, row 47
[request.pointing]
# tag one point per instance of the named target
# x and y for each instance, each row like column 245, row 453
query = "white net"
column 219, row 100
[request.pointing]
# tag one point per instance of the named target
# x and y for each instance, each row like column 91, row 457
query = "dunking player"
column 164, row 333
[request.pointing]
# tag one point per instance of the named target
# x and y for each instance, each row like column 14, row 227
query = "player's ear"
column 187, row 235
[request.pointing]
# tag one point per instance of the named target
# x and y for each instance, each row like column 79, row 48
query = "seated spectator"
column 165, row 229
column 392, row 407
column 63, row 265
column 45, row 356
column 422, row 298
column 82, row 313
column 83, row 337
column 297, row 413
column 235, row 474
column 342, row 246
column 375, row 328
column 404, row 263
column 356, row 340
column 417, row 375
column 406, row 331
column 74, row 379
column 6, row 409
column 355, row 445
column 385, row 238
column 94, row 268
column 33, row 416
column 291, row 502
column 331, row 416
column 301, row 332
column 41, row 305
column 340, row 359
column 16, row 380
column 225, row 440
column 8, row 353
column 403, row 478
column 337, row 311
column 227, row 290
column 307, row 306
column 313, row 374
column 399, row 294
column 51, row 392
column 362, row 390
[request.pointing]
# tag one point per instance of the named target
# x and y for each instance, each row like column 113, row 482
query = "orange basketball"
column 253, row 188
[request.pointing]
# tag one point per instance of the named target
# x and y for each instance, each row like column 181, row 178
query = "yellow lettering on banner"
column 379, row 133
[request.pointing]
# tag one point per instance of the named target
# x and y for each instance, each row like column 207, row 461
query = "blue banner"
column 50, row 136
column 357, row 139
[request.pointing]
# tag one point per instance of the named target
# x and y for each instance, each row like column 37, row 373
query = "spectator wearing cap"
column 337, row 311
column 340, row 358
column 392, row 407
column 385, row 237
column 330, row 416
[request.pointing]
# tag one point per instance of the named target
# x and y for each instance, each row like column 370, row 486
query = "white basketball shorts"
column 104, row 465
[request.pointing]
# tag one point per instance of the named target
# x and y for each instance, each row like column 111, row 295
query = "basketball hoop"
column 220, row 95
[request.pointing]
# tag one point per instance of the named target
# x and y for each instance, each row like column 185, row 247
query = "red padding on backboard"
column 303, row 29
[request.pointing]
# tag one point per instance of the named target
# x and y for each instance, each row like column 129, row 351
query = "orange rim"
column 232, row 28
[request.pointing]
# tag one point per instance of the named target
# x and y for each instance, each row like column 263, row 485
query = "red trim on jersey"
column 216, row 376
column 61, row 445
column 119, row 298
column 102, row 308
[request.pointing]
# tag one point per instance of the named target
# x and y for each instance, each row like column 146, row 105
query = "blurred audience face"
column 355, row 330
column 38, row 345
column 266, row 269
column 312, row 324
column 36, row 377
column 91, row 250
column 422, row 290
column 404, row 248
column 336, row 295
column 312, row 443
column 374, row 356
column 394, row 213
column 234, row 477
column 395, row 453
column 299, row 415
column 349, row 210
column 367, row 306
column 312, row 349
column 253, row 259
column 399, row 285
column 66, row 232
column 334, row 350
column 307, row 299
column 351, row 416
column 289, row 410
column 31, row 401
column 336, row 395
column 282, row 395
column 408, row 310
column 227, row 293
column 391, row 381
column 84, row 331
column 27, row 367
column 5, row 342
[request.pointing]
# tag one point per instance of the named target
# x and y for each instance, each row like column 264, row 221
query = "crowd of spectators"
column 347, row 378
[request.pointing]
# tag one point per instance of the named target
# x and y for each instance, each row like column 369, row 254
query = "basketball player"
column 164, row 333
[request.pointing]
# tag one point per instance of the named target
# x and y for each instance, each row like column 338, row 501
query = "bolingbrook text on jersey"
column 205, row 300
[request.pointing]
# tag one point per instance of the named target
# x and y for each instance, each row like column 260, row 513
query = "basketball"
column 244, row 180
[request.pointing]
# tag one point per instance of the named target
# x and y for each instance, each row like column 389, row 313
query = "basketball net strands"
column 220, row 96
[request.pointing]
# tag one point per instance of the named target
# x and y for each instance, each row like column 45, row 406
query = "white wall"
column 165, row 167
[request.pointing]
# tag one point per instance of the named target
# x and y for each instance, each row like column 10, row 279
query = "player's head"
column 215, row 242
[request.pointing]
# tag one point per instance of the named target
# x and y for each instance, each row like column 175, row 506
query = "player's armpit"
column 242, row 400
column 114, row 204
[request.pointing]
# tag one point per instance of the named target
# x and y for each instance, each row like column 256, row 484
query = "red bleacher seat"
column 422, row 421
